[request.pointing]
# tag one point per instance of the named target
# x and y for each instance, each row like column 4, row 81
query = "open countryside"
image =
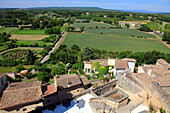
column 84, row 59
column 115, row 42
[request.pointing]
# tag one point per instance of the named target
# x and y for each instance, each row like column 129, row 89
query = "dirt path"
column 168, row 45
column 55, row 47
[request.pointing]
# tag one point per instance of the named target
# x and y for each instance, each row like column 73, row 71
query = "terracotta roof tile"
column 66, row 81
column 49, row 89
column 129, row 59
column 84, row 80
column 144, row 77
column 121, row 64
column 162, row 61
column 19, row 93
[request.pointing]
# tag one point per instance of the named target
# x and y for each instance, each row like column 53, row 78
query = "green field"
column 114, row 43
column 122, row 32
column 92, row 24
column 29, row 32
column 7, row 29
column 29, row 42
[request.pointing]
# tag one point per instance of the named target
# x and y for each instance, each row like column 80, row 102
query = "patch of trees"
column 166, row 36
column 51, row 38
column 4, row 37
column 145, row 28
column 45, row 22
column 54, row 30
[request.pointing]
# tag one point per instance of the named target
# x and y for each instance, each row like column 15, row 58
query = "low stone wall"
column 122, row 101
column 105, row 100
column 128, row 85
column 101, row 90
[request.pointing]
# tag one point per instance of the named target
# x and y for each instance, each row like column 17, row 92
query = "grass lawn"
column 123, row 32
column 29, row 32
column 29, row 37
column 114, row 43
column 29, row 42
column 91, row 24
column 12, row 69
column 7, row 29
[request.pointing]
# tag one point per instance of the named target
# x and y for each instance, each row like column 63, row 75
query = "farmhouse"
column 115, row 65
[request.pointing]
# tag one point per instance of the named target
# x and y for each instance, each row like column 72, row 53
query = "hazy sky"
column 150, row 5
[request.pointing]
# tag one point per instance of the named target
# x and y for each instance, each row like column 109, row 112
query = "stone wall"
column 101, row 90
column 161, row 95
column 128, row 85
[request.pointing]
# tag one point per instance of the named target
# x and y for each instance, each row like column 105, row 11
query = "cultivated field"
column 114, row 43
column 29, row 37
column 92, row 24
column 7, row 29
column 32, row 42
column 29, row 32
column 122, row 32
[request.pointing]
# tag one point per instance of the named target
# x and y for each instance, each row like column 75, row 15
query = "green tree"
column 19, row 68
column 103, row 71
column 76, row 47
column 127, row 25
column 30, row 57
column 87, row 53
column 59, row 70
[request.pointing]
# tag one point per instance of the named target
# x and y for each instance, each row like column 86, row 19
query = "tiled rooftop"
column 121, row 64
column 66, row 81
column 49, row 89
column 161, row 61
column 19, row 93
column 84, row 80
column 161, row 72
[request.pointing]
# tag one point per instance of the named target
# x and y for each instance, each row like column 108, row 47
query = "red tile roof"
column 50, row 89
column 121, row 64
column 84, row 80
column 20, row 93
column 162, row 61
column 66, row 81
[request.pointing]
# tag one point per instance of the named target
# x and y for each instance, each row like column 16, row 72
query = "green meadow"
column 114, row 42
column 29, row 32
column 121, row 32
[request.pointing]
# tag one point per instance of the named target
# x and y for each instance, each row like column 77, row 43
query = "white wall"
column 131, row 66
column 111, row 62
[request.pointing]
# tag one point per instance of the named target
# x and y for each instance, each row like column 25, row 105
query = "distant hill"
column 145, row 11
column 68, row 8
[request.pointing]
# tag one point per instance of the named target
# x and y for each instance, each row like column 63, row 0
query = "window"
column 88, row 70
column 24, row 109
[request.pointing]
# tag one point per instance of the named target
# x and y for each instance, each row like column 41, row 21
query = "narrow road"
column 55, row 47
column 168, row 45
